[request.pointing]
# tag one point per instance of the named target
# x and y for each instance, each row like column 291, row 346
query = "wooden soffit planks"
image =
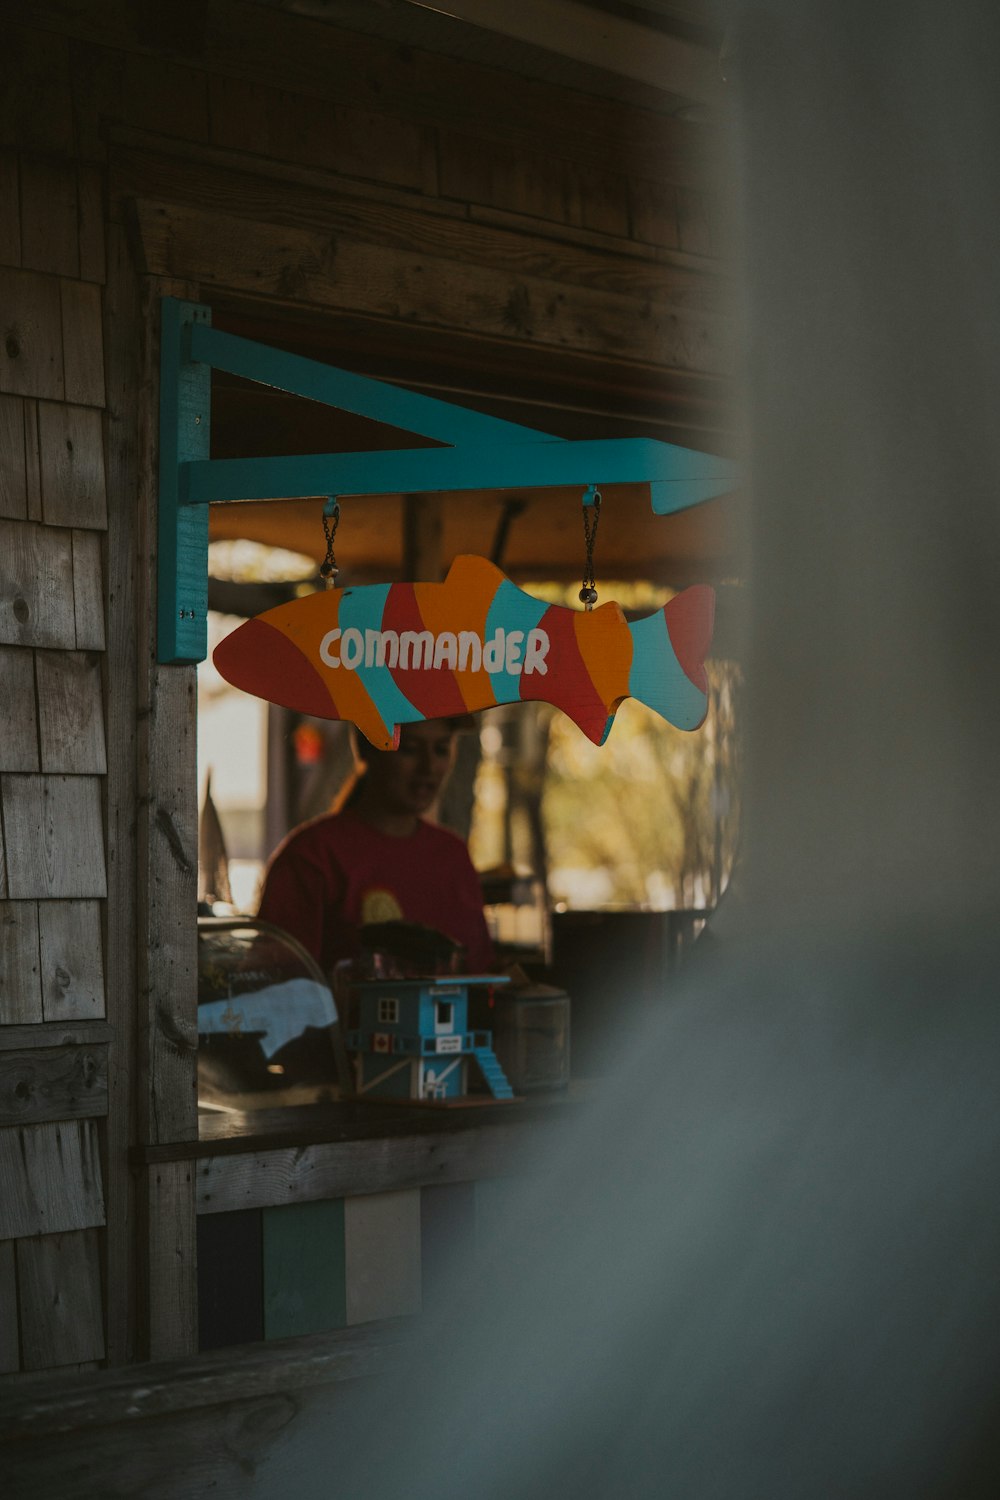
column 382, row 281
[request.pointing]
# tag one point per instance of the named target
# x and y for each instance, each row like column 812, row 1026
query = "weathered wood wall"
column 54, row 1037
column 261, row 161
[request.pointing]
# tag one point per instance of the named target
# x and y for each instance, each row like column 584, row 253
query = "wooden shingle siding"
column 54, row 836
column 31, row 348
column 53, row 1083
column 13, row 474
column 72, row 961
column 36, row 586
column 20, row 976
column 32, row 462
column 49, row 239
column 83, row 348
column 18, row 710
column 88, row 591
column 10, row 1344
column 90, row 199
column 10, row 209
column 59, row 1301
column 50, row 1179
column 71, row 712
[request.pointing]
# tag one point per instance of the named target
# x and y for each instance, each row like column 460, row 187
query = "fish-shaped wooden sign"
column 388, row 654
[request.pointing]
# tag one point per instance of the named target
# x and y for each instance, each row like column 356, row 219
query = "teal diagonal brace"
column 185, row 410
column 360, row 394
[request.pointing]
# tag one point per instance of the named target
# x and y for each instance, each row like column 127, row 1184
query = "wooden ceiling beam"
column 598, row 39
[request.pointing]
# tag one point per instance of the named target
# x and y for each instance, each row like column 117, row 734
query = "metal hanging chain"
column 328, row 568
column 591, row 516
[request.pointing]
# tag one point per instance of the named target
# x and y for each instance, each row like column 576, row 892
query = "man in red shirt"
column 379, row 860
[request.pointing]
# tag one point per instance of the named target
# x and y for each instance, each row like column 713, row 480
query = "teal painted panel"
column 304, row 1276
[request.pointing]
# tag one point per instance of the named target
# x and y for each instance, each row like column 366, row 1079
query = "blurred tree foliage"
column 649, row 819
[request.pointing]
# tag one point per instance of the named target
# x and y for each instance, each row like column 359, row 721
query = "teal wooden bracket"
column 479, row 452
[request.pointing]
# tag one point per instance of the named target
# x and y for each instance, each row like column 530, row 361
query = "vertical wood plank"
column 10, row 1344
column 173, row 1280
column 168, row 956
column 303, row 1268
column 50, row 1179
column 382, row 1255
column 3, row 869
column 71, row 450
column 70, row 712
column 88, row 592
column 20, row 978
column 230, row 1279
column 168, row 823
column 83, row 347
column 36, row 586
column 125, row 334
column 32, row 462
column 54, row 836
column 71, row 960
column 31, row 349
column 49, row 238
column 13, row 479
column 10, row 210
column 60, row 1300
column 90, row 198
column 19, row 715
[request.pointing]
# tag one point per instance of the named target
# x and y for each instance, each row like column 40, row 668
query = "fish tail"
column 668, row 657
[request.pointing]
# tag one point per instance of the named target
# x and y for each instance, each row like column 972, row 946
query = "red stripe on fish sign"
column 567, row 683
column 434, row 694
column 275, row 667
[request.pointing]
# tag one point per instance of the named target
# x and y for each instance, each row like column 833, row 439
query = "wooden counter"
column 329, row 1216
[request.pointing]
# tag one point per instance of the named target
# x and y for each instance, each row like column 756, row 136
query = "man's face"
column 409, row 779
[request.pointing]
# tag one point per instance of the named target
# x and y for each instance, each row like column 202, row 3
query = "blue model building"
column 413, row 1042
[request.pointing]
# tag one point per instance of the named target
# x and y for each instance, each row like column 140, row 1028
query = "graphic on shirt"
column 380, row 906
column 390, row 654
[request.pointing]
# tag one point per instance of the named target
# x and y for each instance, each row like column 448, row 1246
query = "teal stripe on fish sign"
column 511, row 609
column 657, row 677
column 364, row 609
